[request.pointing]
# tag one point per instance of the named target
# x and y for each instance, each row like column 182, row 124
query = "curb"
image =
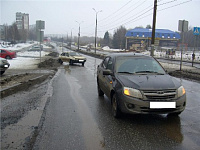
column 22, row 86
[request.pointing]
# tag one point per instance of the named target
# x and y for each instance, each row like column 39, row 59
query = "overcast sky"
column 60, row 16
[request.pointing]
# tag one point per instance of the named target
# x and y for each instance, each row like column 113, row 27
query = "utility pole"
column 153, row 28
column 183, row 27
column 79, row 33
column 78, row 36
column 71, row 39
column 95, row 43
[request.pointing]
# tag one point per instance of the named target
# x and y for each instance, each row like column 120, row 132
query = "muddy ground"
column 26, row 75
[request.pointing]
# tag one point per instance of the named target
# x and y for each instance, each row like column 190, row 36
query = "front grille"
column 159, row 94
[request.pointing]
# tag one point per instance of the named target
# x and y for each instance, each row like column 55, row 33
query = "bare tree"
column 119, row 39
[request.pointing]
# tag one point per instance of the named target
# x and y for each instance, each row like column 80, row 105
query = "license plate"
column 81, row 60
column 160, row 105
column 6, row 66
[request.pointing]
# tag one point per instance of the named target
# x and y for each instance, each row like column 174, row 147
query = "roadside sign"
column 183, row 25
column 40, row 24
column 196, row 31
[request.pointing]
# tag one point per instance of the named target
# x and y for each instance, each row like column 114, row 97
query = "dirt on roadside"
column 195, row 76
column 51, row 63
column 26, row 78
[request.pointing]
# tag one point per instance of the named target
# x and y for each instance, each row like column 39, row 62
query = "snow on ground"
column 24, row 59
column 15, row 47
column 19, row 46
column 107, row 48
column 23, row 63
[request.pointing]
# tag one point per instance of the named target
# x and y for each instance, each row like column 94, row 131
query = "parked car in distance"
column 4, row 65
column 137, row 83
column 36, row 48
column 7, row 54
column 72, row 57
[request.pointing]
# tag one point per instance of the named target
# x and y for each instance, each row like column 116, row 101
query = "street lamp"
column 79, row 32
column 71, row 39
column 96, row 28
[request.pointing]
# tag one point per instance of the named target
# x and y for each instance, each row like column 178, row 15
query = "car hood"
column 149, row 82
column 78, row 57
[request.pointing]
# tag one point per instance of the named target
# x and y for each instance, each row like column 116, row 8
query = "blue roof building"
column 140, row 38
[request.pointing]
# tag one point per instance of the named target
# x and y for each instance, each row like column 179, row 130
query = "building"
column 22, row 21
column 140, row 38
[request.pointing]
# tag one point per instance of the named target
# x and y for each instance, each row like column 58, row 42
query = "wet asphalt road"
column 76, row 118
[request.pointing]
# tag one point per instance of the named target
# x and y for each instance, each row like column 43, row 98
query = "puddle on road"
column 90, row 131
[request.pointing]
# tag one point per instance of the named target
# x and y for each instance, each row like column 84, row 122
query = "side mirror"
column 107, row 72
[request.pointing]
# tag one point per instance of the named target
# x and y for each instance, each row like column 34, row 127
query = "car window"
column 73, row 54
column 2, row 51
column 138, row 64
column 105, row 62
column 110, row 64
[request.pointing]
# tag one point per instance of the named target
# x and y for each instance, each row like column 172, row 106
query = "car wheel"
column 2, row 72
column 71, row 62
column 83, row 64
column 115, row 107
column 7, row 57
column 100, row 92
column 60, row 61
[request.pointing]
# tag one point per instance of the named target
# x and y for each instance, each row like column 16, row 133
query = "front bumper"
column 79, row 61
column 133, row 105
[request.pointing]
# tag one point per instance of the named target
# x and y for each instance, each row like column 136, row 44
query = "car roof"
column 114, row 55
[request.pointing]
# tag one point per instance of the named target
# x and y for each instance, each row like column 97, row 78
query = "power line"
column 137, row 18
column 115, row 11
column 139, row 12
column 175, row 5
column 117, row 19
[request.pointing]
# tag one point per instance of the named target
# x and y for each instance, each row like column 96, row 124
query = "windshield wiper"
column 125, row 72
column 149, row 72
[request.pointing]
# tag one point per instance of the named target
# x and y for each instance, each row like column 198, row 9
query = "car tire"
column 60, row 61
column 70, row 62
column 2, row 72
column 83, row 64
column 115, row 107
column 8, row 57
column 100, row 92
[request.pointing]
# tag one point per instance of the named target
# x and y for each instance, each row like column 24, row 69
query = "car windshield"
column 138, row 65
column 74, row 54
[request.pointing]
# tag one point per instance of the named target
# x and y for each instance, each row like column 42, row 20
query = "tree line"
column 117, row 40
column 14, row 35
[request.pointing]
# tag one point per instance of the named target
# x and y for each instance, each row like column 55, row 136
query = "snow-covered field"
column 26, row 60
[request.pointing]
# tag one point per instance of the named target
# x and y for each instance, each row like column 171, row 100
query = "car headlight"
column 181, row 91
column 132, row 92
